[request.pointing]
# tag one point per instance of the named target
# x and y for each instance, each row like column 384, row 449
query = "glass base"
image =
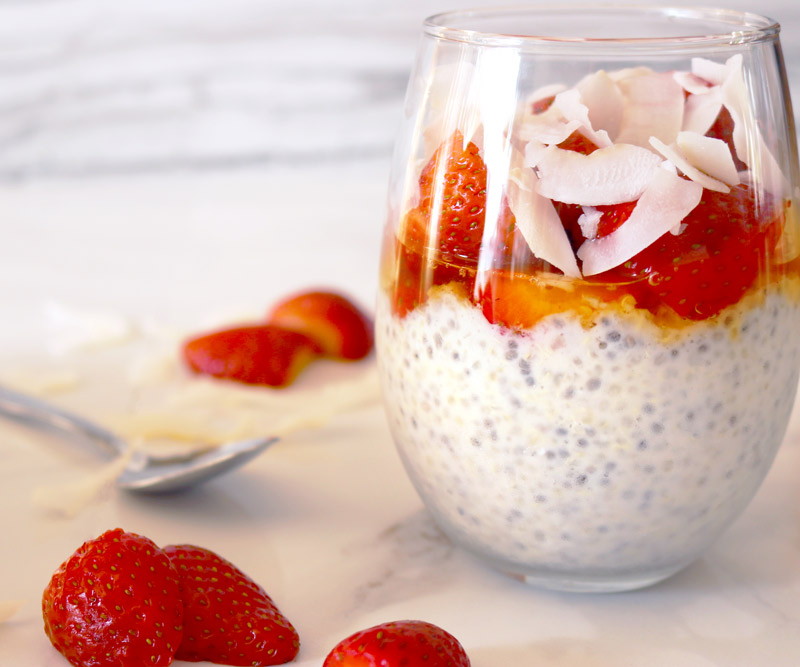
column 585, row 582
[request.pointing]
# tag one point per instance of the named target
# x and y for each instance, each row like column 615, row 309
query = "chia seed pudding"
column 608, row 450
column 587, row 324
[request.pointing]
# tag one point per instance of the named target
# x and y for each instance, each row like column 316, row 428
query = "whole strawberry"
column 115, row 603
column 398, row 644
column 228, row 618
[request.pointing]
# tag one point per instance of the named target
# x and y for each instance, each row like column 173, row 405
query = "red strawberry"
column 399, row 644
column 228, row 618
column 542, row 105
column 115, row 603
column 724, row 247
column 613, row 216
column 334, row 322
column 723, row 129
column 266, row 354
column 455, row 177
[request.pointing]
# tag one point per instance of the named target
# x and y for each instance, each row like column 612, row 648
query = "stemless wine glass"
column 590, row 286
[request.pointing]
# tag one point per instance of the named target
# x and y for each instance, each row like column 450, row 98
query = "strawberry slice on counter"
column 115, row 602
column 399, row 644
column 228, row 618
column 262, row 354
column 726, row 242
column 334, row 322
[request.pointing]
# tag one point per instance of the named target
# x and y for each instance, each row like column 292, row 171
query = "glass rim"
column 745, row 27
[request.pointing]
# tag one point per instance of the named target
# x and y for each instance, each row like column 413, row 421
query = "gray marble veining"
column 89, row 87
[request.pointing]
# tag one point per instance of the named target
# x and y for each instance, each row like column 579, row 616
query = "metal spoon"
column 144, row 474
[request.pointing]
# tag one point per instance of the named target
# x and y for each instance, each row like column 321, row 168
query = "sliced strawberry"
column 723, row 129
column 518, row 301
column 726, row 243
column 266, row 355
column 613, row 216
column 579, row 143
column 542, row 105
column 115, row 602
column 333, row 321
column 399, row 644
column 427, row 256
column 228, row 618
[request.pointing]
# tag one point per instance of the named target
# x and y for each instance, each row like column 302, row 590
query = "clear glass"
column 590, row 285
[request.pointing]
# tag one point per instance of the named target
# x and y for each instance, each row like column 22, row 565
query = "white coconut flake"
column 603, row 100
column 691, row 83
column 748, row 142
column 629, row 73
column 610, row 175
column 589, row 220
column 700, row 111
column 570, row 104
column 538, row 221
column 533, row 153
column 544, row 92
column 708, row 70
column 545, row 129
column 711, row 156
column 674, row 155
column 8, row 608
column 653, row 108
column 667, row 200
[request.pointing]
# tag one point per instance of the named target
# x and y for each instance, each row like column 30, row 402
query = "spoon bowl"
column 143, row 474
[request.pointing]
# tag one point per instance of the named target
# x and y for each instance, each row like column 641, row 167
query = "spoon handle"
column 40, row 414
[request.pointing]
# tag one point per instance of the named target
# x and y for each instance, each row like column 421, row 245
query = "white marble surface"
column 156, row 160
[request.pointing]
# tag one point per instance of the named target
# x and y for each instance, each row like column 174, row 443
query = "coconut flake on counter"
column 653, row 108
column 611, row 175
column 71, row 329
column 711, row 156
column 666, row 201
column 539, row 222
column 674, row 155
column 8, row 608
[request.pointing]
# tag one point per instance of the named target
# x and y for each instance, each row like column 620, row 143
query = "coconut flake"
column 667, row 200
column 700, row 111
column 570, row 104
column 546, row 129
column 653, row 108
column 691, row 83
column 538, row 221
column 542, row 93
column 533, row 153
column 603, row 100
column 610, row 175
column 673, row 154
column 711, row 156
column 708, row 70
column 767, row 172
column 589, row 220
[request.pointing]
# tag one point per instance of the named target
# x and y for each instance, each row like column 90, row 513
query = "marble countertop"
column 156, row 160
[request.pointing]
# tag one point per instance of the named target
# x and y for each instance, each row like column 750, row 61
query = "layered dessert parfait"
column 589, row 355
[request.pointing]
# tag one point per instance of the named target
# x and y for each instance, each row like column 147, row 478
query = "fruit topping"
column 228, row 618
column 725, row 242
column 334, row 322
column 399, row 644
column 450, row 217
column 115, row 603
column 261, row 354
